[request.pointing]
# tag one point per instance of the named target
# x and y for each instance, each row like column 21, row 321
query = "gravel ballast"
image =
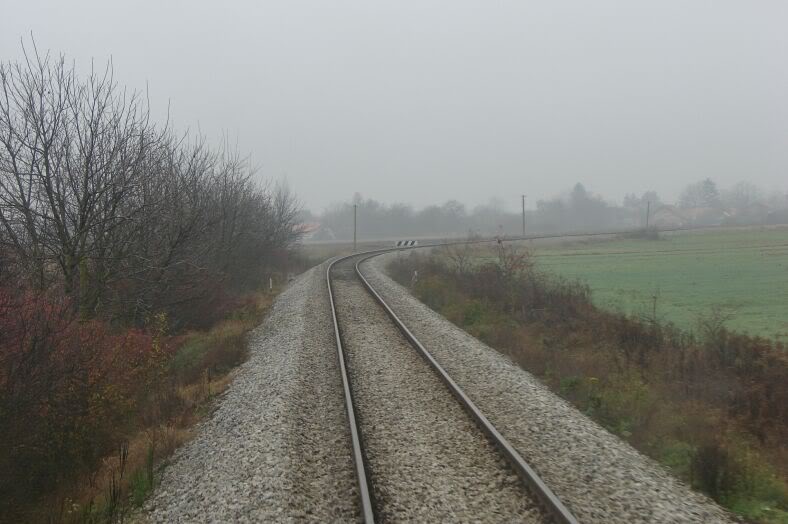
column 277, row 447
column 597, row 475
column 427, row 459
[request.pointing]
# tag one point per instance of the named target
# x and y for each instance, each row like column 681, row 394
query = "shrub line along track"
column 549, row 500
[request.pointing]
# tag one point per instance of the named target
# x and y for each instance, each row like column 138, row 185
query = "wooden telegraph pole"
column 355, row 209
column 523, row 215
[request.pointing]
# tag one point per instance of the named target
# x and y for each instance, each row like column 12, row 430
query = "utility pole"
column 648, row 211
column 355, row 209
column 523, row 215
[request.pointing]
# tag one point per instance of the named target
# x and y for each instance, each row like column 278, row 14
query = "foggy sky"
column 423, row 101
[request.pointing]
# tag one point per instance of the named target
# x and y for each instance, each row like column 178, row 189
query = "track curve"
column 556, row 510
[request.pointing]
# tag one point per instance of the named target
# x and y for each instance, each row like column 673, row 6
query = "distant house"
column 667, row 217
column 307, row 228
column 315, row 231
column 703, row 216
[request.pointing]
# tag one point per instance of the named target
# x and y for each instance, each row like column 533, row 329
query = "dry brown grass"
column 162, row 441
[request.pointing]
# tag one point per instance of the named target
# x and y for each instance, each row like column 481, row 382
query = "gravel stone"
column 427, row 459
column 598, row 476
column 277, row 448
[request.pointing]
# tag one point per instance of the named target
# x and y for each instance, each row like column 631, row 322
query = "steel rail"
column 364, row 486
column 553, row 504
column 551, row 501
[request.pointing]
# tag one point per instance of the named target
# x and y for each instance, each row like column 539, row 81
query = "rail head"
column 364, row 482
column 553, row 504
column 364, row 486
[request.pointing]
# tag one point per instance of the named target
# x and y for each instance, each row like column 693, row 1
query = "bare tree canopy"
column 128, row 217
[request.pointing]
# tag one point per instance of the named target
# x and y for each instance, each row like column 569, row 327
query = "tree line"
column 126, row 217
column 130, row 263
column 576, row 210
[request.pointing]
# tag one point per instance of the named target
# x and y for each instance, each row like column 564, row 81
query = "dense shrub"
column 67, row 391
column 710, row 404
column 72, row 392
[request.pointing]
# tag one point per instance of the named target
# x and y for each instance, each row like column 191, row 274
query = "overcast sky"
column 424, row 101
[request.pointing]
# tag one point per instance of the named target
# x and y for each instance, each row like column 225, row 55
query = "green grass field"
column 742, row 272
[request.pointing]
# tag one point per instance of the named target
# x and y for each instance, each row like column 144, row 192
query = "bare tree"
column 700, row 194
column 123, row 215
column 514, row 261
column 72, row 151
column 460, row 256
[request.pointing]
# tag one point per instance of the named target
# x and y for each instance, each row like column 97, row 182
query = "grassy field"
column 744, row 273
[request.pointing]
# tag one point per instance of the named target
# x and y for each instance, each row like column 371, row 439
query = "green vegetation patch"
column 743, row 273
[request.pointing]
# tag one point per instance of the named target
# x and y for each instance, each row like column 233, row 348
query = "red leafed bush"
column 68, row 390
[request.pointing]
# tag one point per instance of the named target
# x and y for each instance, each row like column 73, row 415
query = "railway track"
column 421, row 447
